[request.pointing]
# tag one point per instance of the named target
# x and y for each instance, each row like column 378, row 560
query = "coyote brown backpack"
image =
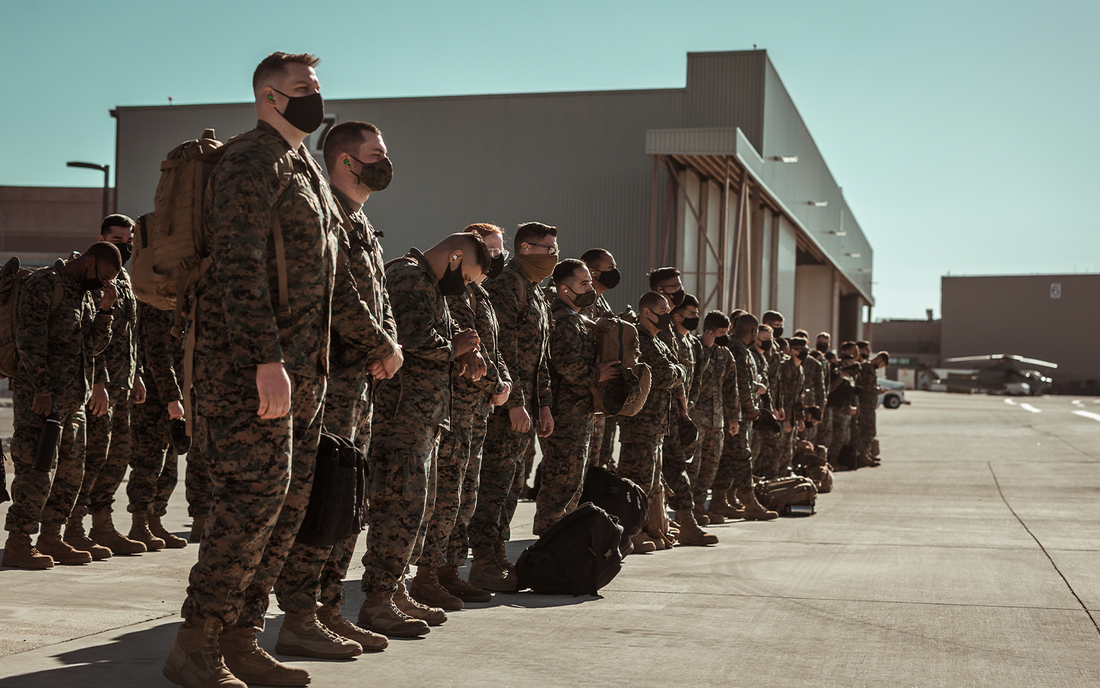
column 576, row 556
column 617, row 340
column 790, row 496
column 12, row 277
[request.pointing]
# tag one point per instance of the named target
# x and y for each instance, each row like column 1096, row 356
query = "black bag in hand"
column 338, row 501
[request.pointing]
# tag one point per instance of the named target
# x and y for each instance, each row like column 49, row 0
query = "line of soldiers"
column 443, row 365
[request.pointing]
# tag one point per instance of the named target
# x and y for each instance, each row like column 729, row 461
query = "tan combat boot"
column 250, row 663
column 754, row 510
column 103, row 533
column 140, row 532
column 501, row 553
column 19, row 553
column 335, row 622
column 704, row 518
column 195, row 660
column 170, row 541
column 448, row 577
column 50, row 542
column 690, row 532
column 426, row 589
column 643, row 544
column 197, row 525
column 486, row 573
column 433, row 616
column 719, row 504
column 381, row 615
column 75, row 536
column 302, row 635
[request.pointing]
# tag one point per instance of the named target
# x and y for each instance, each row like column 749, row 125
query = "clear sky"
column 964, row 133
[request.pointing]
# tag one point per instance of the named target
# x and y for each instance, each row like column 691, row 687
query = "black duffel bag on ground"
column 577, row 556
column 620, row 497
column 338, row 501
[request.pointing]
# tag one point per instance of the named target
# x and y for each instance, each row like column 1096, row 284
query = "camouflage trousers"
column 675, row 466
column 31, row 490
column 640, row 456
column 868, row 428
column 501, row 466
column 152, row 432
column 825, row 427
column 705, row 465
column 262, row 472
column 601, row 448
column 402, row 498
column 198, row 490
column 106, row 456
column 839, row 434
column 452, row 467
column 768, row 447
column 166, row 483
column 564, row 462
column 735, row 466
column 317, row 573
column 458, row 547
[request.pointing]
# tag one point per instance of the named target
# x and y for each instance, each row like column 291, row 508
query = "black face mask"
column 376, row 176
column 452, row 283
column 663, row 321
column 764, row 346
column 92, row 283
column 304, row 113
column 584, row 300
column 677, row 297
column 800, row 354
column 690, row 324
column 497, row 267
column 777, row 331
column 610, row 278
column 125, row 250
column 724, row 340
column 822, row 347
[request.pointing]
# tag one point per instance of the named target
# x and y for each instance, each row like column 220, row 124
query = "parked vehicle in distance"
column 893, row 395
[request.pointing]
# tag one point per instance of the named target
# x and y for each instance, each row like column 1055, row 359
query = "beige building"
column 41, row 223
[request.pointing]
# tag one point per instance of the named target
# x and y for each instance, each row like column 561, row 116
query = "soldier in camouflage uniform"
column 575, row 368
column 792, row 390
column 410, row 411
column 198, row 489
column 363, row 348
column 524, row 320
column 459, row 460
column 59, row 334
column 642, row 435
column 605, row 276
column 716, row 409
column 154, row 463
column 868, row 404
column 813, row 368
column 843, row 404
column 261, row 356
column 767, row 438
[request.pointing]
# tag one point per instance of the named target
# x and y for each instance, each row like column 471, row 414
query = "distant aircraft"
column 1006, row 374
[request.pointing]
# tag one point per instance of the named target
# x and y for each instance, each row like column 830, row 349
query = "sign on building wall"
column 1055, row 290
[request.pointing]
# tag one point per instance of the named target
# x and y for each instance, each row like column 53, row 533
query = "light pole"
column 106, row 170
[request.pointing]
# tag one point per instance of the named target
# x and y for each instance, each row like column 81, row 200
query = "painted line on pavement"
column 1011, row 402
column 1029, row 407
column 1088, row 414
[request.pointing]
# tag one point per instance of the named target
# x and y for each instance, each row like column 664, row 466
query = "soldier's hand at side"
column 708, row 338
column 42, row 404
column 475, row 365
column 393, row 364
column 110, row 295
column 273, row 387
column 780, row 414
column 99, row 403
column 546, row 422
column 733, row 428
column 521, row 420
column 761, row 388
column 609, row 370
column 465, row 341
column 802, row 426
column 175, row 410
column 500, row 397
column 376, row 370
column 786, row 426
column 139, row 390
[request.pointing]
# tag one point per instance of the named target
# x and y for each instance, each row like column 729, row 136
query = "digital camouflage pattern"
column 676, row 462
column 261, row 470
column 602, row 443
column 735, row 463
column 868, row 405
column 575, row 370
column 524, row 321
column 57, row 347
column 717, row 403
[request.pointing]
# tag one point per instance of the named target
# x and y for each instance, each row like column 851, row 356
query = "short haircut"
column 689, row 300
column 483, row 229
column 736, row 313
column 884, row 355
column 116, row 220
column 275, row 64
column 824, row 335
column 346, row 137
column 845, row 346
column 475, row 243
column 766, row 328
column 530, row 232
column 650, row 300
column 593, row 254
column 715, row 320
column 830, row 356
column 565, row 269
column 746, row 323
column 772, row 316
column 662, row 274
column 106, row 252
column 798, row 341
column 863, row 344
column 802, row 333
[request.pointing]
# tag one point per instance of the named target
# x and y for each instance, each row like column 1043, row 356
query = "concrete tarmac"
column 971, row 557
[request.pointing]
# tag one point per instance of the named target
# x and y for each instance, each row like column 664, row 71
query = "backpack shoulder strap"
column 522, row 284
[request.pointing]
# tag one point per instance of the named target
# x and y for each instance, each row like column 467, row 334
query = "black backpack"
column 338, row 500
column 620, row 497
column 578, row 555
column 847, row 458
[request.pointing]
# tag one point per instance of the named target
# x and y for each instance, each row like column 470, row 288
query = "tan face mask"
column 537, row 268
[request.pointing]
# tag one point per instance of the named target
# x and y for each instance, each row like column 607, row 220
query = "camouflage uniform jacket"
column 600, row 309
column 574, row 367
column 667, row 379
column 421, row 389
column 690, row 351
column 238, row 323
column 718, row 392
column 814, row 371
column 474, row 310
column 162, row 355
column 747, row 377
column 524, row 320
column 120, row 360
column 792, row 388
column 868, row 385
column 57, row 346
column 766, row 398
